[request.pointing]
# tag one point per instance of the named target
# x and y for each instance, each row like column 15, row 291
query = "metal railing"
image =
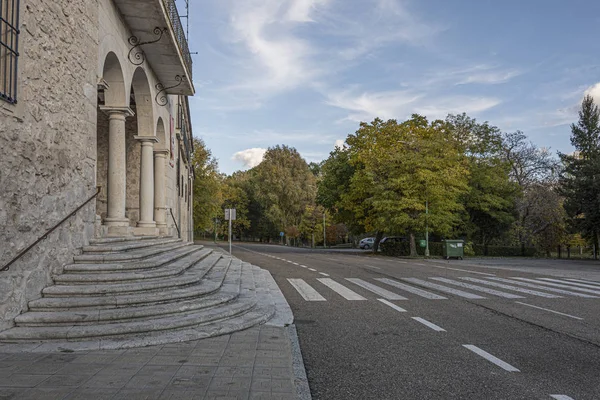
column 179, row 34
column 45, row 235
column 175, row 222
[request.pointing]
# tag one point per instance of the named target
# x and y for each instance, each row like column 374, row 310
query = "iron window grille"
column 9, row 49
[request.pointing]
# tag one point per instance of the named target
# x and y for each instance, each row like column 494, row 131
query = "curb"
column 300, row 379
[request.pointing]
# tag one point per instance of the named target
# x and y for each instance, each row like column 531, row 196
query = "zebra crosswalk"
column 319, row 289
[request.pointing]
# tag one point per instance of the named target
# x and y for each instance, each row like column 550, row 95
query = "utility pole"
column 324, row 233
column 230, row 233
column 426, row 228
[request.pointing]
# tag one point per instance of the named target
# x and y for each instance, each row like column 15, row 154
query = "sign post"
column 230, row 216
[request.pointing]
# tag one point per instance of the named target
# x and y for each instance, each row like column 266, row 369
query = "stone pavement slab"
column 262, row 362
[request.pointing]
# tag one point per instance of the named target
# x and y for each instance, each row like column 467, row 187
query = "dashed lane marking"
column 395, row 307
column 429, row 324
column 323, row 273
column 495, row 360
column 340, row 289
column 376, row 289
column 561, row 397
column 305, row 290
column 546, row 309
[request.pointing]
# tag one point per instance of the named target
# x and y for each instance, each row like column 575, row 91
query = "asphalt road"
column 437, row 343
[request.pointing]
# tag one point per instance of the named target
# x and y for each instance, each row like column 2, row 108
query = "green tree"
column 284, row 186
column 207, row 187
column 406, row 166
column 580, row 179
column 490, row 200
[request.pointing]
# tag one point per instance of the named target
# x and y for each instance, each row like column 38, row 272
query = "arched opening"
column 111, row 93
column 140, row 102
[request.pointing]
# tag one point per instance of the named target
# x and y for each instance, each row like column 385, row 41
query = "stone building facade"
column 93, row 96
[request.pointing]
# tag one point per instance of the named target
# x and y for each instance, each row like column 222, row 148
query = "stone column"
column 147, row 182
column 117, row 178
column 160, row 201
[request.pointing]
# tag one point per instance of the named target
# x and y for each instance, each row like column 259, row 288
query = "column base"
column 116, row 221
column 163, row 230
column 145, row 231
column 146, row 224
column 120, row 231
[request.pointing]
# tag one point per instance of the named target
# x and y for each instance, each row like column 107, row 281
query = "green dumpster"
column 453, row 248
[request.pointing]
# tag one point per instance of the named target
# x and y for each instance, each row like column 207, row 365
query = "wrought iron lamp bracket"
column 161, row 96
column 138, row 57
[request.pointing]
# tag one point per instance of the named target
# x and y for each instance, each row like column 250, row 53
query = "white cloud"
column 339, row 143
column 250, row 157
column 401, row 104
column 594, row 91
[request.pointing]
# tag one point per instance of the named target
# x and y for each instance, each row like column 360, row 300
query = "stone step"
column 194, row 266
column 228, row 292
column 211, row 283
column 146, row 264
column 132, row 255
column 131, row 245
column 128, row 276
column 117, row 239
column 79, row 332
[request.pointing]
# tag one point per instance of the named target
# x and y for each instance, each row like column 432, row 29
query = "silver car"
column 366, row 243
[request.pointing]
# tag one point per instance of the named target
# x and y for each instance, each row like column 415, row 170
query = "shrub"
column 503, row 251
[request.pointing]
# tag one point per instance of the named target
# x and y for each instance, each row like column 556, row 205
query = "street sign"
column 423, row 243
column 230, row 212
column 281, row 234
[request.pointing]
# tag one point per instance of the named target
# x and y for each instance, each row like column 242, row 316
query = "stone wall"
column 48, row 147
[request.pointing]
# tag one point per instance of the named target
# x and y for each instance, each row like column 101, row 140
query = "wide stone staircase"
column 136, row 291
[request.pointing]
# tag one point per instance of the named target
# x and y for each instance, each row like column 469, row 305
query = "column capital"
column 161, row 153
column 143, row 139
column 126, row 111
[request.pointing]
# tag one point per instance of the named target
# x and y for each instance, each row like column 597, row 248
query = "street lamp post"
column 324, row 233
column 426, row 228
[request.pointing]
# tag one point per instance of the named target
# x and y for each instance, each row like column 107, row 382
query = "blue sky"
column 305, row 72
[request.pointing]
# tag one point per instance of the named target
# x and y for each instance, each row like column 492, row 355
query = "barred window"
column 9, row 49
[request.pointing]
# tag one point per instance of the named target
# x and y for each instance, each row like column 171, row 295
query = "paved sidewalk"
column 258, row 363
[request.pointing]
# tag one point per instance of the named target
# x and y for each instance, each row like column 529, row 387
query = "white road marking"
column 305, row 290
column 395, row 307
column 324, row 274
column 376, row 289
column 561, row 397
column 340, row 289
column 445, row 289
column 313, row 270
column 303, row 266
column 462, row 270
column 546, row 309
column 295, row 263
column 479, row 288
column 331, row 259
column 544, row 286
column 513, row 288
column 421, row 265
column 411, row 289
column 572, row 283
column 495, row 360
column 429, row 324
column 372, row 266
column 584, row 281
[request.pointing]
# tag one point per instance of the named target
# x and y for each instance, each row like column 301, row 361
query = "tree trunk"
column 378, row 237
column 413, row 246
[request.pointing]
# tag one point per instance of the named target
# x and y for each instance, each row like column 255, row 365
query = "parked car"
column 366, row 243
column 389, row 239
